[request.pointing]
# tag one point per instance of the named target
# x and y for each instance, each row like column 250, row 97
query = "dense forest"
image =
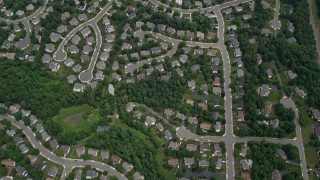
column 131, row 148
column 265, row 161
column 299, row 57
column 35, row 88
column 155, row 93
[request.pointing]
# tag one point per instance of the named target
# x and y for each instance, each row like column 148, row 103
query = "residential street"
column 28, row 18
column 288, row 103
column 65, row 162
column 61, row 54
column 131, row 67
column 87, row 75
column 229, row 138
column 275, row 23
column 24, row 43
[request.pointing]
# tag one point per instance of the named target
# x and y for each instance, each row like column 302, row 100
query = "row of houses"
column 164, row 29
column 191, row 161
column 203, row 148
column 24, row 149
column 9, row 13
column 80, row 151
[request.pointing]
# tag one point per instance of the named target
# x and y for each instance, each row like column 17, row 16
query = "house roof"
column 53, row 171
column 181, row 116
column 173, row 162
column 192, row 120
column 8, row 162
column 93, row 152
column 159, row 126
column 316, row 114
column 174, row 145
column 219, row 163
column 138, row 176
column 21, row 171
column 105, row 155
column 116, row 159
column 188, row 161
column 204, row 163
column 276, row 175
column 245, row 175
column 167, row 134
column 281, row 154
column 205, row 126
column 191, row 147
column 127, row 167
column 80, row 151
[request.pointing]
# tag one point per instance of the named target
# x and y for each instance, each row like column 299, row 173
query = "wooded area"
column 299, row 57
column 130, row 148
column 266, row 161
column 35, row 88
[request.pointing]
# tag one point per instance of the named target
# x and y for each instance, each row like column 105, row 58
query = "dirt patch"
column 74, row 119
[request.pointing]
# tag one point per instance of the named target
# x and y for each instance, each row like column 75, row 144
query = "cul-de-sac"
column 160, row 89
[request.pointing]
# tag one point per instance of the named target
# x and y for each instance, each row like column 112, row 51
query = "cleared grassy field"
column 77, row 118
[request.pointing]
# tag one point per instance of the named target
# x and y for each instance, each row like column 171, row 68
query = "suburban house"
column 219, row 164
column 315, row 114
column 127, row 167
column 246, row 164
column 205, row 126
column 53, row 171
column 150, row 121
column 299, row 92
column 90, row 174
column 188, row 161
column 116, row 159
column 167, row 135
column 173, row 162
column 80, row 151
column 174, row 145
column 264, row 90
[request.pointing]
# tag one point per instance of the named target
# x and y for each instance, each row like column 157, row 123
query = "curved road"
column 275, row 23
column 288, row 103
column 61, row 54
column 65, row 162
column 131, row 67
column 87, row 75
column 24, row 43
column 229, row 138
column 28, row 18
column 187, row 11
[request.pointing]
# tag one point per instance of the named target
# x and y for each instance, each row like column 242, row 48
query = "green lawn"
column 77, row 118
column 311, row 157
column 313, row 176
column 306, row 134
column 275, row 97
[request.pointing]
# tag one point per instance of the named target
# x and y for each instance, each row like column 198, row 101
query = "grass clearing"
column 311, row 157
column 306, row 134
column 77, row 118
column 275, row 97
